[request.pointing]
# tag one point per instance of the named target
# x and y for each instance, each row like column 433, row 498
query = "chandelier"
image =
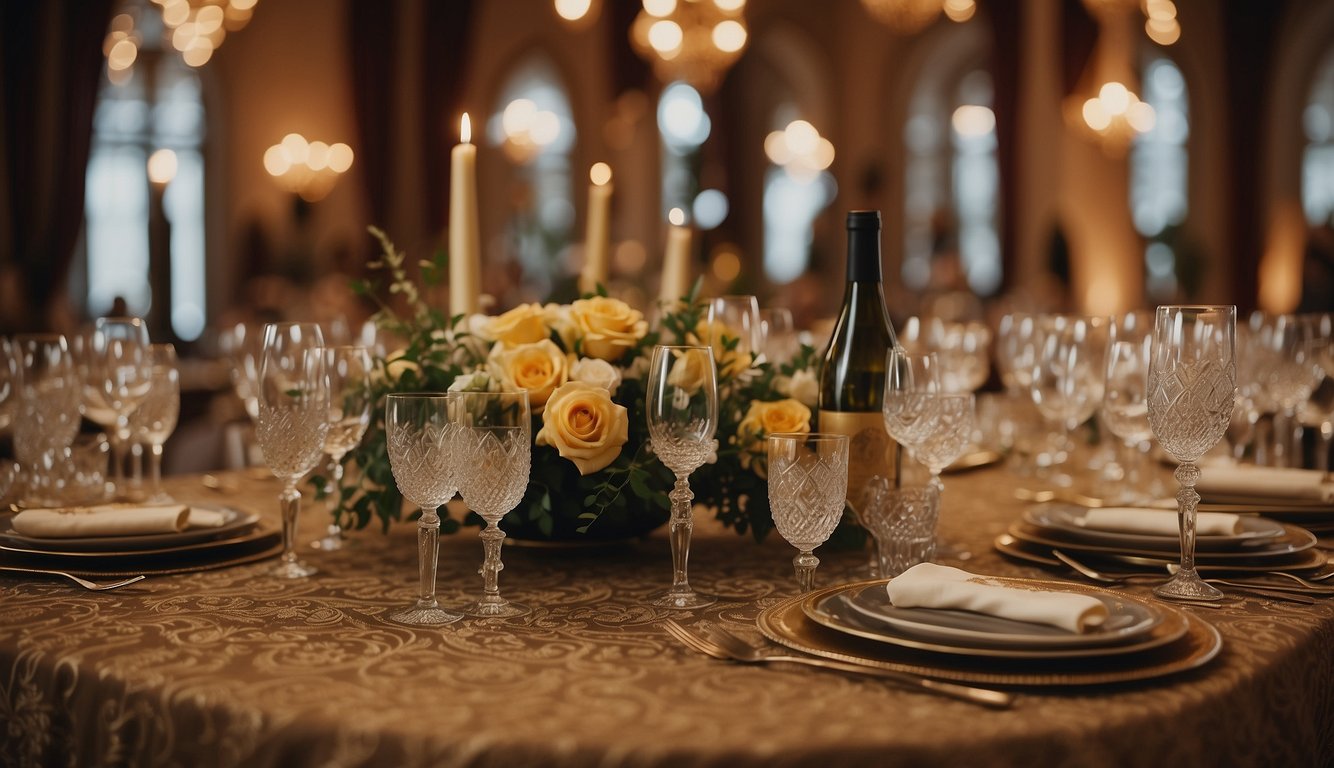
column 1106, row 108
column 908, row 17
column 691, row 40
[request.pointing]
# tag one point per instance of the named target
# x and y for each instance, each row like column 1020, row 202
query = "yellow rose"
column 525, row 324
column 691, row 370
column 731, row 362
column 768, row 418
column 538, row 368
column 584, row 426
column 608, row 327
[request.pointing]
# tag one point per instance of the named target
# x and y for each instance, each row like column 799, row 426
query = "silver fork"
column 726, row 646
column 86, row 584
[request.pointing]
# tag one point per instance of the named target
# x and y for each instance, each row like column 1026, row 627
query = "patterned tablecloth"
column 234, row 667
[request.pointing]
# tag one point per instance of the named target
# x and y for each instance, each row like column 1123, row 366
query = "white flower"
column 479, row 381
column 803, row 386
column 637, row 368
column 599, row 373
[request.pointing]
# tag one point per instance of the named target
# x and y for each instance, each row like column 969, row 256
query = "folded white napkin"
column 1265, row 482
column 1157, row 522
column 107, row 520
column 206, row 518
column 927, row 585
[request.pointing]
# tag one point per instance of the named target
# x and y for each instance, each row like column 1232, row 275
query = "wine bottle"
column 852, row 376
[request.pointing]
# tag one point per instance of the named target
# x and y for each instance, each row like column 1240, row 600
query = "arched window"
column 797, row 187
column 159, row 105
column 684, row 127
column 1318, row 159
column 952, row 179
column 1158, row 181
column 533, row 125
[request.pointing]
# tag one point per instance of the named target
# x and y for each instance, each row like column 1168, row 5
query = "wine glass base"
column 1187, row 586
column 490, row 610
column 683, row 600
column 430, row 616
column 294, row 570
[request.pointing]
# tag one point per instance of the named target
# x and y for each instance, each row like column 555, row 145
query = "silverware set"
column 1299, row 590
column 85, row 583
column 723, row 645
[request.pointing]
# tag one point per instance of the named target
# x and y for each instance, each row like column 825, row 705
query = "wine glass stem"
column 492, row 537
column 333, row 489
column 290, row 499
column 1187, row 474
column 805, row 563
column 155, row 469
column 682, row 527
column 117, row 461
column 428, row 554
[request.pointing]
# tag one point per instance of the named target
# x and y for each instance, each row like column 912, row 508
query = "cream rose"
column 396, row 365
column 540, row 368
column 691, row 370
column 583, row 424
column 768, row 418
column 557, row 317
column 525, row 324
column 599, row 373
column 608, row 327
column 803, row 386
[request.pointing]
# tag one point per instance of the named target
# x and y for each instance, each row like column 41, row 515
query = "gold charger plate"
column 70, row 555
column 973, row 460
column 1293, row 541
column 788, row 625
column 1020, row 549
column 823, row 609
column 257, row 545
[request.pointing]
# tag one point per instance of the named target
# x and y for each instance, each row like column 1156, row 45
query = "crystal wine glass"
column 293, row 420
column 421, row 443
column 155, row 418
column 734, row 330
column 1068, row 372
column 1125, row 408
column 682, row 405
column 951, row 432
column 778, row 335
column 808, row 485
column 494, row 459
column 244, row 347
column 912, row 382
column 1192, row 388
column 119, row 376
column 47, row 417
column 349, row 372
column 9, row 376
column 1289, row 379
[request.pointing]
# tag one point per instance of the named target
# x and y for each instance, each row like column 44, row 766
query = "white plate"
column 236, row 522
column 1069, row 519
column 1125, row 621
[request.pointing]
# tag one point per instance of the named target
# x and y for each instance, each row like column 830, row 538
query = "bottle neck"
column 864, row 256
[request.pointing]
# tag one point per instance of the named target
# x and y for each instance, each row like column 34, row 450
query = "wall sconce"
column 307, row 168
column 800, row 150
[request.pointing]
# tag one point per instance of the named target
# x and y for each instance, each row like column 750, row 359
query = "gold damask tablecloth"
column 234, row 667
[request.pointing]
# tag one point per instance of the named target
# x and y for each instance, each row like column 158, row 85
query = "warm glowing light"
column 465, row 129
column 730, row 6
column 775, row 148
column 307, row 168
column 518, row 115
column 1160, row 9
column 801, row 137
column 573, row 10
column 665, row 36
column 122, row 54
column 296, row 147
column 122, row 23
column 162, row 167
column 175, row 13
column 340, row 157
column 600, row 174
column 959, row 10
column 199, row 52
column 1114, row 97
column 676, row 217
column 208, row 19
column 317, row 157
column 276, row 161
column 726, row 264
column 660, row 8
column 242, row 5
column 1163, row 31
column 1141, row 116
column 973, row 120
column 799, row 149
column 729, row 36
column 1095, row 115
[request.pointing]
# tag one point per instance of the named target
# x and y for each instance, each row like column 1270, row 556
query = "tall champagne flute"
column 47, row 417
column 155, row 418
column 682, row 405
column 119, row 375
column 293, row 420
column 1125, row 409
column 421, row 444
column 734, row 330
column 1192, row 389
column 808, row 485
column 349, row 372
column 495, row 450
column 1068, row 378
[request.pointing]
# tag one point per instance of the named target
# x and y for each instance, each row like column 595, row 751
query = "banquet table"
column 235, row 667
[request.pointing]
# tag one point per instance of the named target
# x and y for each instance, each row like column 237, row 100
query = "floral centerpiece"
column 584, row 364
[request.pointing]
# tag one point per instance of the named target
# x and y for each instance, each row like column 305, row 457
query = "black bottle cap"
column 864, row 220
column 864, row 246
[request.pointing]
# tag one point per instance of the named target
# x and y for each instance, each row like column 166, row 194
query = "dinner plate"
column 828, row 608
column 70, row 556
column 1007, row 544
column 1292, row 541
column 1126, row 620
column 973, row 460
column 1069, row 520
column 788, row 625
column 235, row 523
column 249, row 548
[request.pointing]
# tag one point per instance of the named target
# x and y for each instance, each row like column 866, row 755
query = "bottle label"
column 872, row 452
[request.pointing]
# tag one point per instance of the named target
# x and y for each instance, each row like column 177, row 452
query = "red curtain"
column 45, row 151
column 446, row 34
column 1007, row 28
column 372, row 33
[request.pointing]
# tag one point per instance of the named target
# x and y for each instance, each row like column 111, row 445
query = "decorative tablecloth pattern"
column 235, row 667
